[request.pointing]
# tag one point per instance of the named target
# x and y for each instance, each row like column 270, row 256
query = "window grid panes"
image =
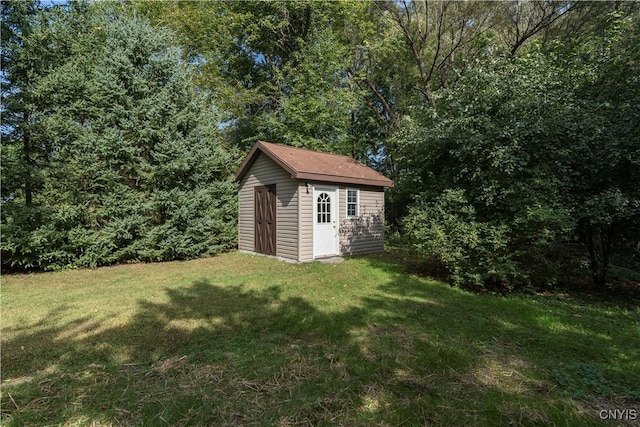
column 324, row 208
column 352, row 203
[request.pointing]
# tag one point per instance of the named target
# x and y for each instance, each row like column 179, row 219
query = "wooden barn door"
column 265, row 220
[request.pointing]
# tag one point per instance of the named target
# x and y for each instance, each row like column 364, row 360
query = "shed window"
column 324, row 208
column 352, row 203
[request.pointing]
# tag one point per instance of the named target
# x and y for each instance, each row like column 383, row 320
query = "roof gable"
column 315, row 166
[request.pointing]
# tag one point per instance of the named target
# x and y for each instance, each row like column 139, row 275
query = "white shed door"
column 325, row 221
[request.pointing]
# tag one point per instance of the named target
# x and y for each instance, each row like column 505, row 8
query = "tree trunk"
column 26, row 157
column 597, row 240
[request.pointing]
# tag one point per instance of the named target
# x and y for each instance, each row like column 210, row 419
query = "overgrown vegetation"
column 123, row 121
column 109, row 153
column 529, row 154
column 242, row 340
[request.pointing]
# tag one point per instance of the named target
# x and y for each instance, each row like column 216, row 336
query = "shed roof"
column 315, row 166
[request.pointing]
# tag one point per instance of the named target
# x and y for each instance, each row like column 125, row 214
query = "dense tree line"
column 110, row 154
column 511, row 129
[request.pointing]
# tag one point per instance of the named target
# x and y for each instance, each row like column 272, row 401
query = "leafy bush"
column 475, row 253
column 545, row 147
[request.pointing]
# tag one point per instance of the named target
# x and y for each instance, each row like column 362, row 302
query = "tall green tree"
column 138, row 172
column 605, row 195
column 278, row 70
column 33, row 43
column 35, row 40
column 533, row 150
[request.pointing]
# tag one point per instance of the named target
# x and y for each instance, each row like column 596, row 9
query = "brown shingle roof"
column 313, row 165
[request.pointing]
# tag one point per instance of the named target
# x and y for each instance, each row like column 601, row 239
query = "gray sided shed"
column 303, row 205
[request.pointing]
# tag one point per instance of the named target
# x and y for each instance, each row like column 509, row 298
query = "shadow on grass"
column 410, row 351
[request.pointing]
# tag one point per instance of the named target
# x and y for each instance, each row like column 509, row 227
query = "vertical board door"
column 265, row 219
column 325, row 221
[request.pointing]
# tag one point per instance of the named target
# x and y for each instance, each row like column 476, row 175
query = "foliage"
column 528, row 110
column 31, row 45
column 581, row 379
column 134, row 168
column 538, row 149
column 476, row 253
column 606, row 197
column 493, row 148
column 278, row 70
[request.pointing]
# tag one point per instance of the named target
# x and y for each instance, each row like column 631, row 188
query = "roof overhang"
column 261, row 147
column 253, row 155
column 344, row 179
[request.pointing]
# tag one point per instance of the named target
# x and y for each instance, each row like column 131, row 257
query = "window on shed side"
column 353, row 203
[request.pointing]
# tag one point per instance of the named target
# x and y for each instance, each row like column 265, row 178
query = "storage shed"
column 303, row 205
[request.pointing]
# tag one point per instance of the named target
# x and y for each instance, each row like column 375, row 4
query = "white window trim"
column 346, row 198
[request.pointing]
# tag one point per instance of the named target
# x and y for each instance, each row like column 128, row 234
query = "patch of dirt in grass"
column 236, row 399
column 373, row 399
column 326, row 411
column 174, row 380
column 506, row 374
column 524, row 415
column 13, row 382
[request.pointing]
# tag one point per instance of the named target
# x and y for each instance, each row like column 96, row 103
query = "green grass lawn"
column 243, row 340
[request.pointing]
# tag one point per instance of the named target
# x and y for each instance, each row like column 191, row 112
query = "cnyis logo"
column 619, row 414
